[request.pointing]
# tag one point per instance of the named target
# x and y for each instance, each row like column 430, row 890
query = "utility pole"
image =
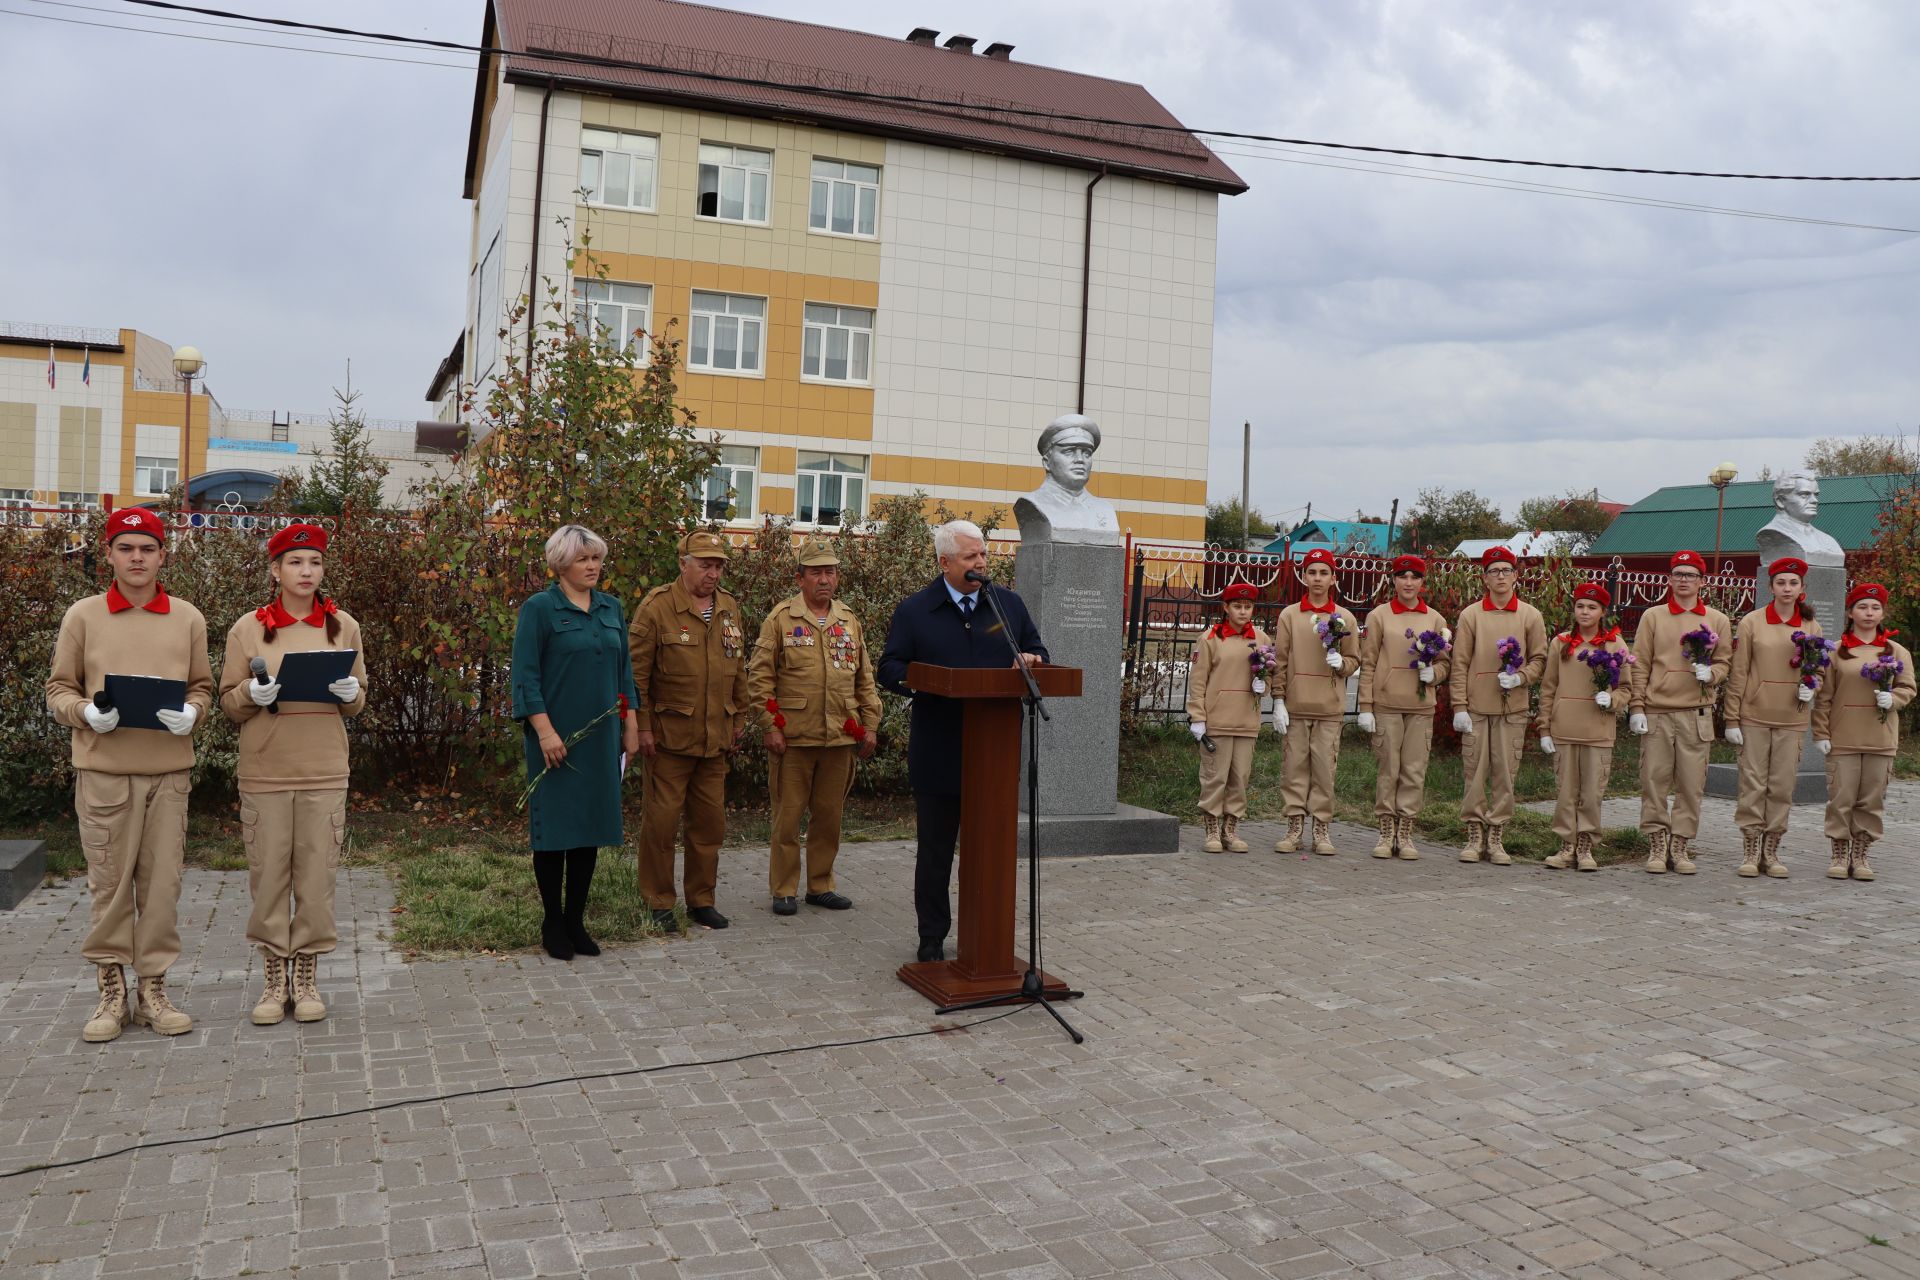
column 1246, row 473
column 1393, row 520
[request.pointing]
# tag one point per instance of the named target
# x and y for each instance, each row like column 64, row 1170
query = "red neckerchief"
column 1226, row 631
column 1699, row 607
column 1511, row 606
column 1307, row 606
column 117, row 603
column 1600, row 641
column 1849, row 642
column 275, row 615
column 1775, row 619
column 1420, row 606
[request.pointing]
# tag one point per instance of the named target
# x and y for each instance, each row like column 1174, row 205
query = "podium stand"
column 989, row 828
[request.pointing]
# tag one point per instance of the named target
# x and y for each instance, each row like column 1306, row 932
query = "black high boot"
column 580, row 864
column 548, row 868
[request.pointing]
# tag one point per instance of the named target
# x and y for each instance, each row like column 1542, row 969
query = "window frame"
column 145, row 463
column 582, row 303
column 815, row 179
column 696, row 318
column 809, row 326
column 747, row 173
column 810, row 480
column 743, row 513
column 633, row 157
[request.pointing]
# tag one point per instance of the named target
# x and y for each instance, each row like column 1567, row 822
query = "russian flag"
column 86, row 367
column 51, row 379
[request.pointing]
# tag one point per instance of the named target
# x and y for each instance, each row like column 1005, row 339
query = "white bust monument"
column 1061, row 509
column 1791, row 531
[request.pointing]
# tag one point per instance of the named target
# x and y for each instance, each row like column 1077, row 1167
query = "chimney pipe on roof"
column 1000, row 50
column 923, row 35
column 959, row 44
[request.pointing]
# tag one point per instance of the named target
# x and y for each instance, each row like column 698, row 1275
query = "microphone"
column 102, row 701
column 1206, row 740
column 259, row 668
column 974, row 575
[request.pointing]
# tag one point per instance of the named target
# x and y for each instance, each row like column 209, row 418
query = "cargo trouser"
column 134, row 830
column 1402, row 742
column 1857, row 795
column 677, row 787
column 293, row 841
column 1769, row 765
column 807, row 780
column 1673, row 759
column 1492, row 753
column 1224, row 773
column 1306, row 784
column 1581, row 771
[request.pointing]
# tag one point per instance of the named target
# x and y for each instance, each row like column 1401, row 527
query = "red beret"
column 1494, row 555
column 1688, row 559
column 296, row 537
column 134, row 520
column 1592, row 591
column 1239, row 591
column 1866, row 591
column 1319, row 555
column 1409, row 564
column 1787, row 564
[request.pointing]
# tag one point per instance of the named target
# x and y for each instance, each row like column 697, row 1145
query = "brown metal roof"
column 697, row 54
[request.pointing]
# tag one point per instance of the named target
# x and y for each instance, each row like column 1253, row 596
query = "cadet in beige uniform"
column 1223, row 713
column 813, row 674
column 1396, row 703
column 1312, row 680
column 1769, row 698
column 130, row 785
column 690, row 682
column 1850, row 731
column 1580, row 719
column 1672, row 705
column 1490, row 703
column 292, row 773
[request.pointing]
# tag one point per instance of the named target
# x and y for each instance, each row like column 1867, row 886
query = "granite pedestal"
column 23, row 865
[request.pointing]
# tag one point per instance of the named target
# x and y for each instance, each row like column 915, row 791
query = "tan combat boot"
column 1677, row 850
column 156, row 1011
column 1858, row 862
column 1657, row 852
column 307, row 1005
column 1476, row 840
column 1497, row 852
column 1407, row 852
column 1388, row 829
column 1842, row 860
column 1561, row 860
column 1322, row 840
column 104, row 1023
column 1230, row 834
column 273, row 991
column 1583, row 852
column 1750, row 855
column 1770, row 855
column 1212, row 825
column 1290, row 842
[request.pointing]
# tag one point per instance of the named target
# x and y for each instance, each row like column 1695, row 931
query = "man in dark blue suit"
column 947, row 623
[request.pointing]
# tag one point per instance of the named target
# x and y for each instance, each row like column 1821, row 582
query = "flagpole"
column 86, row 415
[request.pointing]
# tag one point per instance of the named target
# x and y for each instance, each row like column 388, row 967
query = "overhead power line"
column 249, row 44
column 998, row 108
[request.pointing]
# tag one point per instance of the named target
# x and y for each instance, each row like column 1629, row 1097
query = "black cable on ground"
column 436, row 1098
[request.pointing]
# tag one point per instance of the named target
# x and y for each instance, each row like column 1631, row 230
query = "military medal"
column 686, row 637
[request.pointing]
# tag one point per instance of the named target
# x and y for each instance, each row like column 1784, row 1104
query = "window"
column 78, row 501
column 845, row 199
column 16, row 499
column 729, row 333
column 727, row 492
column 831, row 489
column 155, row 475
column 615, row 314
column 733, row 183
column 837, row 344
column 618, row 168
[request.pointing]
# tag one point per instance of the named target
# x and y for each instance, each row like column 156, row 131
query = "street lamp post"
column 1720, row 477
column 187, row 363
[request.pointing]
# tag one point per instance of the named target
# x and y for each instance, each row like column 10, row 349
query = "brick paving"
column 1296, row 1067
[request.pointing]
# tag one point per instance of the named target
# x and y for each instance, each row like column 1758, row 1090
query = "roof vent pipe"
column 999, row 50
column 959, row 44
column 922, row 35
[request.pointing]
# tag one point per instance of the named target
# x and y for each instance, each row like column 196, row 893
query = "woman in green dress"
column 571, row 669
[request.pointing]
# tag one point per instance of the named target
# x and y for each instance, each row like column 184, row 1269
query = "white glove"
column 1883, row 699
column 1546, row 744
column 1825, row 746
column 1510, row 679
column 1428, row 675
column 1259, row 685
column 1637, row 722
column 263, row 695
column 346, row 688
column 1462, row 722
column 1736, row 735
column 101, row 721
column 1603, row 699
column 179, row 723
column 1280, row 718
column 1703, row 673
column 1366, row 722
column 1198, row 729
column 1334, row 660
column 1805, row 694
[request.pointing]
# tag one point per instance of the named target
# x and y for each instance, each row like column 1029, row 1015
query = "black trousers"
column 937, row 819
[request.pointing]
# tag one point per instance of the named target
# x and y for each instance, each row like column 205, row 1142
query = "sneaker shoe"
column 707, row 917
column 830, row 900
column 785, row 906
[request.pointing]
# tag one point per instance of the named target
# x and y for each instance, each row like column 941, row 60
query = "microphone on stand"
column 974, row 575
column 259, row 668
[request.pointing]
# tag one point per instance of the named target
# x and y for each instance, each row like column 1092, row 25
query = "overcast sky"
column 288, row 213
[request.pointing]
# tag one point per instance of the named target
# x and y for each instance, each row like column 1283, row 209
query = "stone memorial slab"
column 23, row 865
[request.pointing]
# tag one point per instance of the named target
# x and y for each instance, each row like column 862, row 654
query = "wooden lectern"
column 989, row 828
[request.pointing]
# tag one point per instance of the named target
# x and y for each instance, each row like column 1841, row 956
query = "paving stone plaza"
column 1294, row 1067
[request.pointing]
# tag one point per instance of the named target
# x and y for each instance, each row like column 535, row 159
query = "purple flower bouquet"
column 1426, row 649
column 1264, row 662
column 1698, row 645
column 1331, row 631
column 1511, row 660
column 1608, row 665
column 1811, row 656
column 1882, row 672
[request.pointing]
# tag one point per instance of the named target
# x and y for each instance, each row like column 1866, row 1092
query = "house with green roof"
column 1351, row 537
column 1682, row 516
